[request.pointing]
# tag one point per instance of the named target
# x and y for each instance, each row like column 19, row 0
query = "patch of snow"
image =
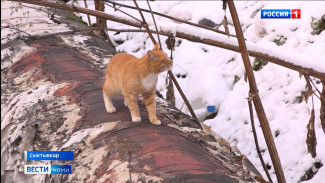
column 181, row 11
column 319, row 177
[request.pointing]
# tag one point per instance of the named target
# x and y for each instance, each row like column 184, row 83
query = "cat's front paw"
column 111, row 109
column 136, row 119
column 155, row 122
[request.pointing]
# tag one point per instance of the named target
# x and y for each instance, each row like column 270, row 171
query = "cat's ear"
column 151, row 55
column 156, row 47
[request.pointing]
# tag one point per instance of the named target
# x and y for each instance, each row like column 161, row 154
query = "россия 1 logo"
column 281, row 13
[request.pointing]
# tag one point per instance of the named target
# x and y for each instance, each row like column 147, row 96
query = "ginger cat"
column 132, row 76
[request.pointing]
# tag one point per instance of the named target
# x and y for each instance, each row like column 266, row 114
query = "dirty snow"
column 207, row 74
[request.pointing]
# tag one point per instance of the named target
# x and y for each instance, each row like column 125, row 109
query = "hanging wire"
column 249, row 100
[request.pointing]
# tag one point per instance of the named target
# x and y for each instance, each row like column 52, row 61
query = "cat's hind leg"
column 107, row 94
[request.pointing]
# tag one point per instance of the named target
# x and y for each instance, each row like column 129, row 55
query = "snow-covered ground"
column 208, row 74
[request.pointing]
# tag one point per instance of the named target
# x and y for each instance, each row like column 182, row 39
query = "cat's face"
column 159, row 61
